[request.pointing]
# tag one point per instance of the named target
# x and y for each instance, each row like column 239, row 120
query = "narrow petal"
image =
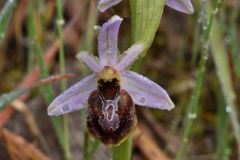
column 74, row 98
column 103, row 5
column 130, row 56
column 90, row 61
column 107, row 41
column 145, row 92
column 184, row 6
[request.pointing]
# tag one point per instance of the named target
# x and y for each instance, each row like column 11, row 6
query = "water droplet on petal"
column 66, row 108
column 142, row 100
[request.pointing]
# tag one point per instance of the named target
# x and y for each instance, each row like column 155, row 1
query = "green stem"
column 123, row 151
column 60, row 23
column 47, row 89
column 234, row 40
column 5, row 16
column 88, row 40
column 219, row 54
column 193, row 104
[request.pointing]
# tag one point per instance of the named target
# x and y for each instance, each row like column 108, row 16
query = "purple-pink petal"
column 91, row 61
column 74, row 98
column 107, row 41
column 103, row 5
column 130, row 56
column 145, row 92
column 184, row 6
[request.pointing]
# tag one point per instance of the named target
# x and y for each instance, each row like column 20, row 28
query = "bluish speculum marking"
column 142, row 100
column 66, row 108
column 109, row 118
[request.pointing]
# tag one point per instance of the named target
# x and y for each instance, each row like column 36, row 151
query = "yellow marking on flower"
column 108, row 74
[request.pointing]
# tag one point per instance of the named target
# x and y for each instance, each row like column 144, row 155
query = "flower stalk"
column 124, row 150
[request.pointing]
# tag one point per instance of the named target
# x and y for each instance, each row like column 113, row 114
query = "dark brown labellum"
column 111, row 113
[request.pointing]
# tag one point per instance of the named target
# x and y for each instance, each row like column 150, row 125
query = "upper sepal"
column 107, row 41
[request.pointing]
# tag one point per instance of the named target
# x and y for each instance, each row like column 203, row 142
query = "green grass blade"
column 194, row 101
column 7, row 98
column 65, row 133
column 234, row 43
column 5, row 16
column 47, row 89
column 222, row 132
column 219, row 54
column 87, row 43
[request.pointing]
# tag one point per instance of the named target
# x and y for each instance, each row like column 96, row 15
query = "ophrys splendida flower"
column 111, row 91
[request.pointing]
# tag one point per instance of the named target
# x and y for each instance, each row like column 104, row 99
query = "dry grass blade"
column 18, row 148
column 55, row 78
column 31, row 123
column 22, row 108
column 160, row 131
column 32, row 77
column 147, row 146
column 6, row 99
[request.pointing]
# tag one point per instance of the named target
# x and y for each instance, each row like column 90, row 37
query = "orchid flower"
column 184, row 6
column 143, row 91
column 111, row 91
